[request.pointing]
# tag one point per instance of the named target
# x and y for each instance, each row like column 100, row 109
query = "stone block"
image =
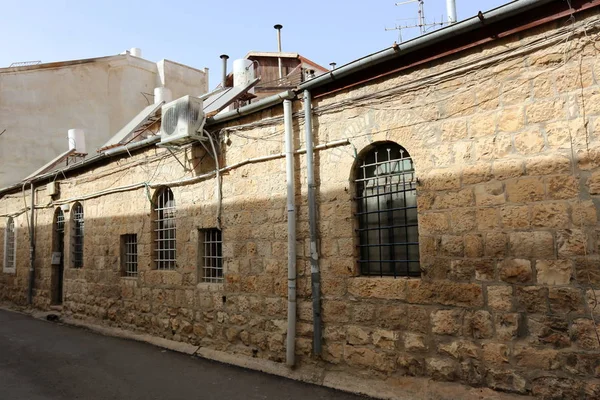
column 463, row 220
column 489, row 194
column 459, row 349
column 536, row 358
column 445, row 293
column 554, row 272
column 454, row 129
column 525, row 190
column 433, row 222
column 478, row 324
column 357, row 335
column 564, row 134
column 484, row 270
column 411, row 365
column 414, row 342
column 472, row 174
column 544, row 110
column 441, row 369
column 493, row 147
column 584, row 213
column 487, row 218
column 554, row 387
column 364, row 357
column 534, row 244
column 333, row 352
column 571, row 242
column 565, row 299
column 394, row 289
column 447, row 322
column 500, row 298
column 515, row 217
column 473, row 246
column 461, row 270
column 529, row 142
column 584, row 333
column 531, row 299
column 562, row 187
column 452, row 246
column 495, row 353
column 548, row 165
column 507, row 169
column 404, row 317
column 482, row 125
column 496, row 244
column 550, row 215
column 549, row 330
column 515, row 271
column 511, row 119
column 461, row 198
column 385, row 339
column 442, row 179
column 506, row 380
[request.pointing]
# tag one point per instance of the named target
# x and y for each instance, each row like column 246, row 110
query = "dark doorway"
column 58, row 256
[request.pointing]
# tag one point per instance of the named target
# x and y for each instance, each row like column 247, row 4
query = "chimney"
column 451, row 11
column 224, row 57
column 278, row 28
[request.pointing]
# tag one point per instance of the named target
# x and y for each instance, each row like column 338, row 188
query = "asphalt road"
column 49, row 361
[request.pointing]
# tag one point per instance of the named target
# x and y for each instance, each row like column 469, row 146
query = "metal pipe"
column 31, row 249
column 249, row 109
column 451, row 11
column 224, row 57
column 468, row 25
column 278, row 28
column 315, row 273
column 291, row 219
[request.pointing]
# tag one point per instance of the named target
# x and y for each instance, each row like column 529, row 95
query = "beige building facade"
column 39, row 103
column 494, row 273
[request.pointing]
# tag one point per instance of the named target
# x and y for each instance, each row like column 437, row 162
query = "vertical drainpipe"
column 315, row 273
column 291, row 218
column 31, row 249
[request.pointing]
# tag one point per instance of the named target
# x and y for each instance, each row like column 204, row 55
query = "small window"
column 10, row 246
column 211, row 254
column 129, row 255
column 386, row 197
column 77, row 235
column 165, row 230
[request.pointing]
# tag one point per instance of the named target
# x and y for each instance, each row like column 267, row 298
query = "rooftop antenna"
column 421, row 22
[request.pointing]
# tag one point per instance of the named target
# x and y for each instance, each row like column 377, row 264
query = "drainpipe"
column 291, row 217
column 31, row 250
column 315, row 273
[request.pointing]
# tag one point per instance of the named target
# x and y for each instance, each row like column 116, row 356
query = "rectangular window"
column 211, row 255
column 10, row 246
column 129, row 255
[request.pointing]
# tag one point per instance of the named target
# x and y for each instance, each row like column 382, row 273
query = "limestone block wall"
column 505, row 143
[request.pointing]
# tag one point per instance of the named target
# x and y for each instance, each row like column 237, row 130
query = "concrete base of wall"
column 405, row 388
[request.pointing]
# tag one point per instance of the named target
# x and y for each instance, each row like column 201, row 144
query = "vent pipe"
column 451, row 10
column 332, row 64
column 278, row 28
column 224, row 57
column 162, row 94
column 136, row 52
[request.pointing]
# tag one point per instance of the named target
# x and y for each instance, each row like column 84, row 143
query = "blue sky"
column 197, row 32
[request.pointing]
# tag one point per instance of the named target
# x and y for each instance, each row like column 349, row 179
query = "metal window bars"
column 9, row 245
column 165, row 230
column 212, row 258
column 130, row 255
column 59, row 221
column 77, row 235
column 387, row 213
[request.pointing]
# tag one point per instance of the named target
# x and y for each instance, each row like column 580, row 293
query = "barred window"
column 10, row 246
column 129, row 255
column 387, row 212
column 77, row 235
column 211, row 253
column 164, row 230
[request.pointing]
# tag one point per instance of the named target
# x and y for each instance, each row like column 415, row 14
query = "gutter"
column 251, row 108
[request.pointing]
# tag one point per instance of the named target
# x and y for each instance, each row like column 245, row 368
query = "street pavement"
column 42, row 360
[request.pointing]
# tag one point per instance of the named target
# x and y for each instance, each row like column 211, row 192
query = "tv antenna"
column 421, row 22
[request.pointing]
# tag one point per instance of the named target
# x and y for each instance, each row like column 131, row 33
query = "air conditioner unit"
column 182, row 121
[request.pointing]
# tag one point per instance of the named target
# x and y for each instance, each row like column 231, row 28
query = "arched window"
column 77, row 235
column 387, row 212
column 10, row 246
column 164, row 229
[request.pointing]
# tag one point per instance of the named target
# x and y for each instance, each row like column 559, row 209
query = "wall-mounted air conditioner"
column 182, row 121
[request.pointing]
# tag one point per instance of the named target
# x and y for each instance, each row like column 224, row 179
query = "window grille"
column 60, row 221
column 77, row 235
column 165, row 230
column 387, row 212
column 129, row 254
column 212, row 256
column 10, row 247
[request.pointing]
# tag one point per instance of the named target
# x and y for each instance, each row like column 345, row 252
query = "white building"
column 39, row 103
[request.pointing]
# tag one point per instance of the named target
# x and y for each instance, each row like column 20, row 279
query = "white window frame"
column 5, row 268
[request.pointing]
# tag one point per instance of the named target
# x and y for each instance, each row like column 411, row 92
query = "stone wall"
column 506, row 149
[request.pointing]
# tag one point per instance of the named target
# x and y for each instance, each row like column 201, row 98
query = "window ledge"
column 11, row 271
column 211, row 286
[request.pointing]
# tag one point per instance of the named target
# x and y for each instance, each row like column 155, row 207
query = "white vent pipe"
column 451, row 11
column 278, row 29
column 77, row 140
column 162, row 94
